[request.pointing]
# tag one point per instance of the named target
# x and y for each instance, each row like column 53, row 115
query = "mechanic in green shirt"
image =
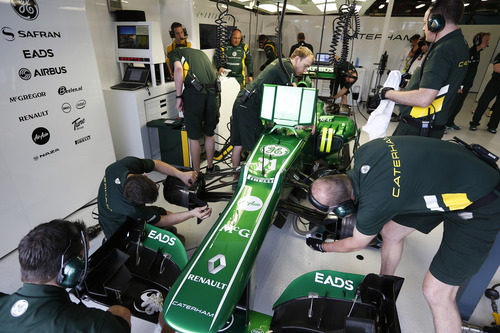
column 197, row 90
column 125, row 190
column 246, row 126
column 42, row 303
column 426, row 101
column 404, row 183
column 239, row 59
column 269, row 49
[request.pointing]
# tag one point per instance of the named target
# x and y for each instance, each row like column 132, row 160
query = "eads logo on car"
column 26, row 9
column 250, row 203
column 40, row 136
column 24, row 74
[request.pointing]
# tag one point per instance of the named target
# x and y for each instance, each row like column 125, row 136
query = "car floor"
column 284, row 256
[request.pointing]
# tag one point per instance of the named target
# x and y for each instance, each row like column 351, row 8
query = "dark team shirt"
column 299, row 44
column 415, row 175
column 444, row 69
column 48, row 309
column 195, row 61
column 474, row 58
column 113, row 207
column 239, row 61
column 496, row 75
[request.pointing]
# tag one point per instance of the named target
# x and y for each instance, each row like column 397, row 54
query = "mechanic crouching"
column 402, row 184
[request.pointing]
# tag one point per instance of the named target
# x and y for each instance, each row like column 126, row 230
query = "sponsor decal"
column 334, row 281
column 81, row 140
column 373, row 36
column 234, row 54
column 260, row 179
column 207, row 281
column 250, row 203
column 40, row 53
column 63, row 90
column 66, row 107
column 275, row 150
column 34, row 115
column 26, row 97
column 24, row 74
column 256, row 330
column 50, row 71
column 216, row 264
column 26, row 9
column 81, row 104
column 158, row 236
column 50, row 152
column 40, row 135
column 78, row 123
column 8, row 34
column 229, row 228
column 193, row 308
column 19, row 308
column 151, row 302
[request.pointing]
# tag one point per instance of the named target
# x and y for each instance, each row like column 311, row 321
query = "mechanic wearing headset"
column 177, row 32
column 239, row 59
column 125, row 190
column 480, row 41
column 246, row 125
column 395, row 195
column 427, row 100
column 42, row 303
column 270, row 50
column 345, row 76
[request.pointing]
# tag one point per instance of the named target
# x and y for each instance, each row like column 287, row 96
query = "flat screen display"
column 323, row 58
column 133, row 37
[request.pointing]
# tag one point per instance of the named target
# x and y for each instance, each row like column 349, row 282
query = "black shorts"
column 246, row 125
column 466, row 243
column 201, row 112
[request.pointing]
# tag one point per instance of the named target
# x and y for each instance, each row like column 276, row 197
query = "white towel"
column 378, row 122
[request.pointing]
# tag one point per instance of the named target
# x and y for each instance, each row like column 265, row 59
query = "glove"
column 383, row 91
column 404, row 80
column 315, row 243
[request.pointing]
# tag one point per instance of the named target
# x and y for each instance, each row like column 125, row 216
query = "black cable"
column 280, row 60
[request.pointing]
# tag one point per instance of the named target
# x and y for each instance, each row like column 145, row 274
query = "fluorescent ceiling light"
column 381, row 6
column 420, row 6
column 466, row 4
column 330, row 7
column 272, row 8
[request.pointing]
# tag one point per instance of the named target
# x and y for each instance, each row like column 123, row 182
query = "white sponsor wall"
column 55, row 135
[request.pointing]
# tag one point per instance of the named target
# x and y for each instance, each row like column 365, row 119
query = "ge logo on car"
column 275, row 150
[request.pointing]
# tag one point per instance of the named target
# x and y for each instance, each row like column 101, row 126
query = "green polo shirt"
column 239, row 61
column 44, row 308
column 113, row 207
column 415, row 175
column 443, row 70
column 195, row 61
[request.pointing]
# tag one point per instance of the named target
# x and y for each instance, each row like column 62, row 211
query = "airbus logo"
column 24, row 74
column 250, row 203
column 26, row 9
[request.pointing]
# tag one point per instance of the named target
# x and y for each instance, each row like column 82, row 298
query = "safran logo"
column 26, row 9
column 24, row 74
column 250, row 203
column 8, row 34
column 40, row 136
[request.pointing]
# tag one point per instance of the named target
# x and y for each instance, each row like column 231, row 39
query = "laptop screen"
column 136, row 74
column 323, row 58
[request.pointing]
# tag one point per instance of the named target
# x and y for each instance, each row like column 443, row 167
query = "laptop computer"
column 134, row 78
column 322, row 59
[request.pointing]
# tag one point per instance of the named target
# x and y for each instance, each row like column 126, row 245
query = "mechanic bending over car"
column 246, row 125
column 427, row 100
column 125, row 190
column 52, row 257
column 400, row 184
column 345, row 76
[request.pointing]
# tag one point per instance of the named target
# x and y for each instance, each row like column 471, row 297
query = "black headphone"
column 232, row 32
column 343, row 209
column 171, row 31
column 435, row 22
column 478, row 39
column 73, row 269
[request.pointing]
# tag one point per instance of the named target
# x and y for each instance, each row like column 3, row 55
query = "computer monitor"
column 139, row 42
column 288, row 106
column 322, row 58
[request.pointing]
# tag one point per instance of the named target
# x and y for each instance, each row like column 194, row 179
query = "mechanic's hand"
column 221, row 70
column 179, row 104
column 188, row 177
column 250, row 79
column 315, row 243
column 202, row 212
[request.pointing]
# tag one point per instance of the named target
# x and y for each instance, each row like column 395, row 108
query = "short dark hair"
column 301, row 36
column 452, row 10
column 414, row 37
column 175, row 25
column 140, row 189
column 40, row 251
column 262, row 38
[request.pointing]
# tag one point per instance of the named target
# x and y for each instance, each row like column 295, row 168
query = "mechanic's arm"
column 496, row 68
column 421, row 97
column 187, row 177
column 179, row 80
column 342, row 93
column 120, row 311
column 175, row 218
column 358, row 241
